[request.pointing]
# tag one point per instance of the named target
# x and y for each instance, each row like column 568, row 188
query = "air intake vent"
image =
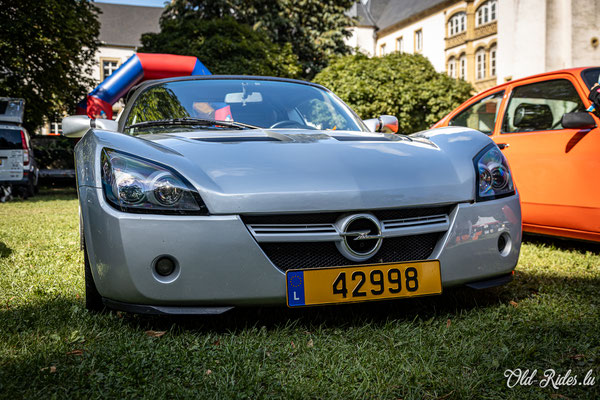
column 325, row 254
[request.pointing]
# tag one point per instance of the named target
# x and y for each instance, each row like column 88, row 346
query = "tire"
column 30, row 189
column 93, row 299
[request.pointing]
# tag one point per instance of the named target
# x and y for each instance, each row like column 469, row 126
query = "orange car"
column 552, row 146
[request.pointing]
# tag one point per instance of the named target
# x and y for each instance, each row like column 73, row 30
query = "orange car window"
column 480, row 115
column 540, row 106
column 590, row 76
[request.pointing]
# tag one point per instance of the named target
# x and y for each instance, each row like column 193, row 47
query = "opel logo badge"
column 361, row 236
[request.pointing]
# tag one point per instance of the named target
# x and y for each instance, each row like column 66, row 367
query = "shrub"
column 400, row 84
column 53, row 152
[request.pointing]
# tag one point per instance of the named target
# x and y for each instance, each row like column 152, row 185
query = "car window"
column 10, row 139
column 540, row 106
column 260, row 103
column 590, row 76
column 481, row 115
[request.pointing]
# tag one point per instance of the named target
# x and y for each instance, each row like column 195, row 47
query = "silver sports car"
column 220, row 191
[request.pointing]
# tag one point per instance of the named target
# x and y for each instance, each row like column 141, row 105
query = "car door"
column 11, row 153
column 555, row 169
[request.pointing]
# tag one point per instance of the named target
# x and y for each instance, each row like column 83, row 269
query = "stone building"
column 485, row 42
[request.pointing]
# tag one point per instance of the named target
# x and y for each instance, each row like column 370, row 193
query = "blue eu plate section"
column 295, row 288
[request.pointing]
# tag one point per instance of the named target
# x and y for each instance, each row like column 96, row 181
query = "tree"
column 224, row 46
column 400, row 84
column 315, row 29
column 46, row 54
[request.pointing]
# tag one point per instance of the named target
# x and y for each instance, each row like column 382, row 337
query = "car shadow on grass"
column 5, row 251
column 453, row 302
column 50, row 313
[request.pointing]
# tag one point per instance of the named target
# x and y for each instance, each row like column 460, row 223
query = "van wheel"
column 31, row 189
column 93, row 300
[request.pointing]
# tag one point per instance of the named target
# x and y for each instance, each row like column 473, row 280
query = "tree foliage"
column 224, row 46
column 46, row 53
column 315, row 29
column 400, row 84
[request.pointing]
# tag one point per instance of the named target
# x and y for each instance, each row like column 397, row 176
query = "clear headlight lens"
column 494, row 179
column 136, row 185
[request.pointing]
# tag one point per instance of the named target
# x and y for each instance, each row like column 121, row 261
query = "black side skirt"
column 488, row 283
column 163, row 310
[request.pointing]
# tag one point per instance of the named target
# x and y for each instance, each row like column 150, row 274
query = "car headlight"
column 132, row 184
column 494, row 179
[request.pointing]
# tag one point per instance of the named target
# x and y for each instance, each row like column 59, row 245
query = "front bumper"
column 219, row 263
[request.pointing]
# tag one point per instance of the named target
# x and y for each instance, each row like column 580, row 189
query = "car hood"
column 287, row 171
column 294, row 170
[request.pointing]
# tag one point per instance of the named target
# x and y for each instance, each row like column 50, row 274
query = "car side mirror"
column 75, row 126
column 578, row 120
column 385, row 124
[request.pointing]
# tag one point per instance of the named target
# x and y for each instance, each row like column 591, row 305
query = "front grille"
column 298, row 255
column 331, row 217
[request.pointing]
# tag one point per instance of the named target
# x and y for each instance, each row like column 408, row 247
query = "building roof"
column 123, row 25
column 386, row 13
column 360, row 12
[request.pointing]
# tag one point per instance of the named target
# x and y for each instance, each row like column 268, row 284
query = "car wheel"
column 93, row 300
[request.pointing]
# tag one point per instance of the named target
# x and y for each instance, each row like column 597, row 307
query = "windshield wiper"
column 193, row 121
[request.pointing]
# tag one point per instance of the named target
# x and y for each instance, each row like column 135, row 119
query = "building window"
column 419, row 40
column 463, row 67
column 400, row 44
column 457, row 23
column 480, row 58
column 486, row 12
column 108, row 67
column 382, row 50
column 55, row 128
column 452, row 67
column 493, row 61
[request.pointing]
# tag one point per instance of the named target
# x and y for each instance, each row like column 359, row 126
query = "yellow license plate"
column 355, row 283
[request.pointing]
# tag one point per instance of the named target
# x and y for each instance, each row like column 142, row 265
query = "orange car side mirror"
column 578, row 120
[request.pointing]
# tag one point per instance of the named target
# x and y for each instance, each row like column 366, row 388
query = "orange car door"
column 555, row 169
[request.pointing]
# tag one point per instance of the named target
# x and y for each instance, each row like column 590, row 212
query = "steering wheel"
column 288, row 123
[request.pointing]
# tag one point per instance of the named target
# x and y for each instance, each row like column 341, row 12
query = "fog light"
column 164, row 266
column 504, row 244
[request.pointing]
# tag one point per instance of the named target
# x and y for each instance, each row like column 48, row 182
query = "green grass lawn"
column 454, row 346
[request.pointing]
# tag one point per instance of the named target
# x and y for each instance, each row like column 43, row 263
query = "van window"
column 10, row 139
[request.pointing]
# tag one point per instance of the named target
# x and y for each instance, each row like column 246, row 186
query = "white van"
column 17, row 165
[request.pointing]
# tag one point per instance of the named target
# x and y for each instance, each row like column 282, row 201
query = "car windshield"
column 243, row 103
